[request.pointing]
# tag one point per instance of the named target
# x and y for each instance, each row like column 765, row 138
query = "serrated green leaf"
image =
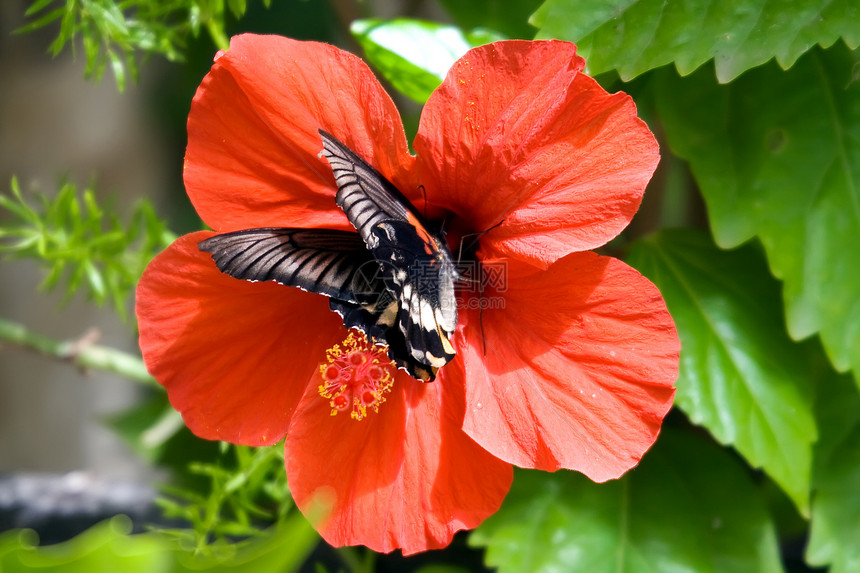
column 414, row 55
column 633, row 36
column 777, row 154
column 690, row 507
column 741, row 377
column 835, row 526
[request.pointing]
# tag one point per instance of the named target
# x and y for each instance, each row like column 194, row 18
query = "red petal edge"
column 405, row 478
column 253, row 140
column 234, row 356
column 517, row 134
column 579, row 367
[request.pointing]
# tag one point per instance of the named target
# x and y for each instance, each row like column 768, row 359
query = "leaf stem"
column 81, row 352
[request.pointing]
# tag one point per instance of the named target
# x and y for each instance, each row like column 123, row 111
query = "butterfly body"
column 393, row 279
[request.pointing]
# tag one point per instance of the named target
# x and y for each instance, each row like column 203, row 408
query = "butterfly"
column 393, row 278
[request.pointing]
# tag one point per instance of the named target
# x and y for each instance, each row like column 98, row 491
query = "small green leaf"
column 777, row 154
column 836, row 503
column 95, row 280
column 633, row 36
column 414, row 55
column 41, row 22
column 690, row 506
column 237, row 7
column 741, row 376
column 118, row 70
column 112, row 31
column 37, row 6
column 89, row 242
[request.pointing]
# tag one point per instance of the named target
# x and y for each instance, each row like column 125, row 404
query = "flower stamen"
column 356, row 376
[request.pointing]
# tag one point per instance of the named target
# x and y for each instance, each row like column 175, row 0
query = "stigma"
column 356, row 376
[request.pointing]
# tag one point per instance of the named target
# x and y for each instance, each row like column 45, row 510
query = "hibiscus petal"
column 406, row 477
column 578, row 370
column 234, row 356
column 516, row 133
column 253, row 140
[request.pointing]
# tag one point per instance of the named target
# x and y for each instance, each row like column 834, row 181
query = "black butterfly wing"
column 415, row 264
column 364, row 194
column 323, row 261
column 421, row 274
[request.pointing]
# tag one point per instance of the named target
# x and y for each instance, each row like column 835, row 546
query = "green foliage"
column 690, row 506
column 777, row 155
column 248, row 487
column 836, row 505
column 82, row 245
column 633, row 36
column 148, row 428
column 414, row 55
column 510, row 17
column 112, row 32
column 108, row 547
column 741, row 376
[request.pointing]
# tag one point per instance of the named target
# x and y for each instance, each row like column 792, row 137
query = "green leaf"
column 237, row 7
column 40, row 22
column 777, row 154
column 113, row 32
column 690, row 506
column 633, row 36
column 741, row 376
column 836, row 504
column 415, row 55
column 509, row 17
column 118, row 70
column 37, row 6
column 108, row 546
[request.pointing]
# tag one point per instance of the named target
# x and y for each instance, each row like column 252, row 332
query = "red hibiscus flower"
column 572, row 366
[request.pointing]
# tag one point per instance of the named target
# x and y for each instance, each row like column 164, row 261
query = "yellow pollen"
column 356, row 376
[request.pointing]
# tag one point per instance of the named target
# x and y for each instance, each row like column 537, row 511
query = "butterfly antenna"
column 477, row 237
column 424, row 193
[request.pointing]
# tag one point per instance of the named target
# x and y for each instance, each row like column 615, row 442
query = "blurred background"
column 55, row 125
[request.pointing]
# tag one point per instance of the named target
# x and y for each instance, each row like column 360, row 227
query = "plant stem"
column 82, row 352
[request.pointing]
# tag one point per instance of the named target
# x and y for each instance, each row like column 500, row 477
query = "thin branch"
column 82, row 352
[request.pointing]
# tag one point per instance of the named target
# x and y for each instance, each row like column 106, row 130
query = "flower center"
column 356, row 376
